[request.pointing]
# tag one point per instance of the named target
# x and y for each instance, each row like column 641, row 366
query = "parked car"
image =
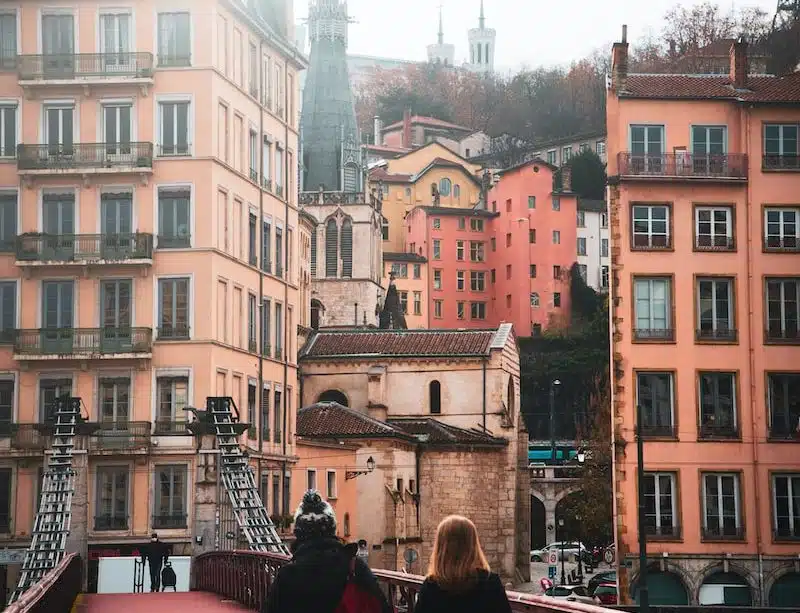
column 608, row 576
column 570, row 549
column 572, row 593
column 606, row 593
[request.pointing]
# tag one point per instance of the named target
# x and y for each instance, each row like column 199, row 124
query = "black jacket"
column 487, row 595
column 315, row 578
column 156, row 552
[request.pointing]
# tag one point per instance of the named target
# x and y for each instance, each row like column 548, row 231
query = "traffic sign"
column 552, row 557
column 551, row 571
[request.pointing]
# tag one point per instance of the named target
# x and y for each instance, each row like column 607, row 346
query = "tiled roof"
column 332, row 420
column 428, row 121
column 380, row 174
column 397, row 343
column 445, row 163
column 764, row 89
column 439, row 433
column 589, row 204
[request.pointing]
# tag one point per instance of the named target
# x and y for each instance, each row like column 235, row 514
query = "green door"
column 785, row 592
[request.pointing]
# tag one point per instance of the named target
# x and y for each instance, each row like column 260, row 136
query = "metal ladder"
column 238, row 478
column 52, row 523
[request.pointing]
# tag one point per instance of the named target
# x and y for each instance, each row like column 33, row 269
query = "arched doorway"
column 538, row 524
column 664, row 589
column 568, row 522
column 334, row 396
column 785, row 592
column 726, row 589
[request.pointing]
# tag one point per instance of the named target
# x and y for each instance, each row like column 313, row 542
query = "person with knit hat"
column 323, row 576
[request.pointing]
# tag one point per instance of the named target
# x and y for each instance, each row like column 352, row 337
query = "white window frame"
column 460, row 281
column 713, row 236
column 651, row 320
column 157, row 302
column 656, row 476
column 156, row 42
column 437, row 309
column 737, row 494
column 174, row 186
column 16, row 104
column 714, row 281
column 649, row 219
column 782, row 281
column 783, row 238
column 311, row 479
column 158, row 110
column 477, row 306
column 794, row 520
column 581, row 247
column 437, row 279
column 671, row 378
column 331, row 492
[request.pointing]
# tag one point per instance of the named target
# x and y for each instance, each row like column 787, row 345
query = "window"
column 494, row 244
column 399, row 270
column 278, row 331
column 170, row 497
column 781, row 146
column 653, row 309
column 417, row 303
column 476, row 225
column 556, row 203
column 604, row 275
column 8, row 120
column 583, row 271
column 174, row 39
column 266, row 245
column 477, row 281
column 6, row 402
column 566, row 155
column 477, row 251
column 457, row 194
column 173, row 128
column 444, row 187
column 477, row 310
column 437, row 249
column 647, row 147
column 114, row 397
column 535, row 300
column 331, row 484
column 252, row 69
column 437, row 279
column 581, row 246
column 531, row 202
column 783, row 309
column 460, row 251
column 266, row 327
column 603, row 247
column 252, row 239
column 173, row 309
column 437, row 309
column 279, row 250
column 603, row 220
column 556, row 237
column 551, row 157
column 462, row 222
column 786, row 504
column 508, row 271
column 311, row 479
column 385, row 229
column 460, row 280
column 173, row 398
column 717, row 403
column 782, row 229
column 557, row 299
column 174, row 218
column 660, row 504
column 278, row 171
column 508, row 205
column 435, row 397
column 437, row 223
column 50, row 390
column 557, row 272
column 265, row 413
column 252, row 318
column 714, row 228
column 581, row 219
column 8, row 41
column 111, row 506
column 600, row 148
column 532, row 271
column 253, row 155
column 460, row 310
column 417, row 271
column 784, row 405
column 8, row 311
column 721, row 506
column 279, row 414
column 655, row 394
column 532, row 236
column 404, row 301
column 715, row 310
column 266, row 156
column 508, row 239
column 8, row 221
column 651, row 227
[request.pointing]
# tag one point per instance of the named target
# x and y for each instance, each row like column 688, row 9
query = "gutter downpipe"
column 744, row 118
column 286, row 278
column 484, row 393
column 260, row 232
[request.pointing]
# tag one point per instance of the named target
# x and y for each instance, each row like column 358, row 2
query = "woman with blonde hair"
column 459, row 579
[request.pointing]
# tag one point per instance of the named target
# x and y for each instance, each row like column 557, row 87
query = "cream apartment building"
column 148, row 239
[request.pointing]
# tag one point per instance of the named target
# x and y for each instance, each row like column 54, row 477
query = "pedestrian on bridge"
column 323, row 576
column 156, row 553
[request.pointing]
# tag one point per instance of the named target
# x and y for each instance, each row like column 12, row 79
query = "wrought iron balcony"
column 718, row 335
column 170, row 521
column 82, row 342
column 101, row 158
column 166, row 427
column 656, row 335
column 781, row 244
column 712, row 430
column 723, row 533
column 707, row 242
column 33, row 437
column 775, row 334
column 36, row 248
column 110, row 522
column 683, row 166
column 120, row 436
column 176, row 332
column 86, row 67
column 780, row 162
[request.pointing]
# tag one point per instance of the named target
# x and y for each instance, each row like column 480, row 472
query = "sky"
column 529, row 32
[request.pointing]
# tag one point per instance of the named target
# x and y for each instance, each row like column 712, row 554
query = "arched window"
column 316, row 313
column 347, row 248
column 331, row 249
column 333, row 396
column 444, row 186
column 486, row 55
column 314, row 252
column 435, row 393
column 350, row 178
column 456, row 191
column 480, row 51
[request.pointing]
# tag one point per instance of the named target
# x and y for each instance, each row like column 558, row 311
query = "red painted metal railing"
column 246, row 577
column 57, row 590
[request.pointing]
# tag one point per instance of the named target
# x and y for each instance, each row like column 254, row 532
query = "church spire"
column 441, row 29
column 482, row 19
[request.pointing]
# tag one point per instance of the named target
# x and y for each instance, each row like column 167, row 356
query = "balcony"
column 26, row 437
column 781, row 244
column 654, row 335
column 85, row 159
column 83, row 343
column 86, row 70
column 776, row 162
column 707, row 242
column 36, row 249
column 720, row 335
column 730, row 167
column 110, row 522
column 173, row 333
column 170, row 521
column 120, row 436
column 166, row 427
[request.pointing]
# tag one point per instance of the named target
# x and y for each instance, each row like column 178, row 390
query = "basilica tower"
column 481, row 46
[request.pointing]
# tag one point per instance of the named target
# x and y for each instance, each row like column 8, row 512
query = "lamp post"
column 553, row 384
column 563, row 573
column 352, row 474
column 581, row 458
column 644, row 596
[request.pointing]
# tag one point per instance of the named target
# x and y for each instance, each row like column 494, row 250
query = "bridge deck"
column 183, row 602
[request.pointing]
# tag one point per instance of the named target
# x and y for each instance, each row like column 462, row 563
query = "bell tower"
column 481, row 46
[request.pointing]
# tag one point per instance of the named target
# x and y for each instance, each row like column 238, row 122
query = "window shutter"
column 314, row 252
column 331, row 249
column 347, row 248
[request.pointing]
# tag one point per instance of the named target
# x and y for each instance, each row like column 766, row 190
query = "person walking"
column 156, row 553
column 323, row 576
column 363, row 552
column 459, row 579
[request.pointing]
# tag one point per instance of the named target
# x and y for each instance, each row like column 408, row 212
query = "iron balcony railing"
column 723, row 532
column 40, row 247
column 27, row 436
column 71, row 341
column 776, row 333
column 720, row 335
column 773, row 161
column 663, row 532
column 717, row 430
column 169, row 521
column 167, row 427
column 120, row 435
column 86, row 156
column 175, row 332
column 85, row 66
column 781, row 244
column 110, row 522
column 654, row 334
column 683, row 165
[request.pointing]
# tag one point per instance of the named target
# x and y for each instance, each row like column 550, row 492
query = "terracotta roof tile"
column 683, row 86
column 428, row 121
column 388, row 343
column 439, row 433
column 332, row 420
column 380, row 174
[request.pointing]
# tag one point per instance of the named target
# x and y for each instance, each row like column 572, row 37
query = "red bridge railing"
column 246, row 577
column 57, row 590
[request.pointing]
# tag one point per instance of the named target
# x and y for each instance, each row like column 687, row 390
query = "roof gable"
column 332, row 420
column 418, row 158
column 759, row 89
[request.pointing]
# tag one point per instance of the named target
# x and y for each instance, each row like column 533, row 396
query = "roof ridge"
column 353, row 412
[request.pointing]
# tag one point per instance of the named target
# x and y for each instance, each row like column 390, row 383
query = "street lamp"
column 563, row 574
column 553, row 384
column 580, row 551
column 352, row 474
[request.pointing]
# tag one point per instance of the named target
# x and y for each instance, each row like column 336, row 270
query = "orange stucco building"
column 704, row 294
column 148, row 211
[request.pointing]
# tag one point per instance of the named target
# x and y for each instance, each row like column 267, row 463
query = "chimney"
column 566, row 178
column 739, row 64
column 619, row 62
column 377, row 127
column 407, row 128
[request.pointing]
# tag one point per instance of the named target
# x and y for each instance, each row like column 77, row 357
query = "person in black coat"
column 156, row 553
column 314, row 580
column 459, row 579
